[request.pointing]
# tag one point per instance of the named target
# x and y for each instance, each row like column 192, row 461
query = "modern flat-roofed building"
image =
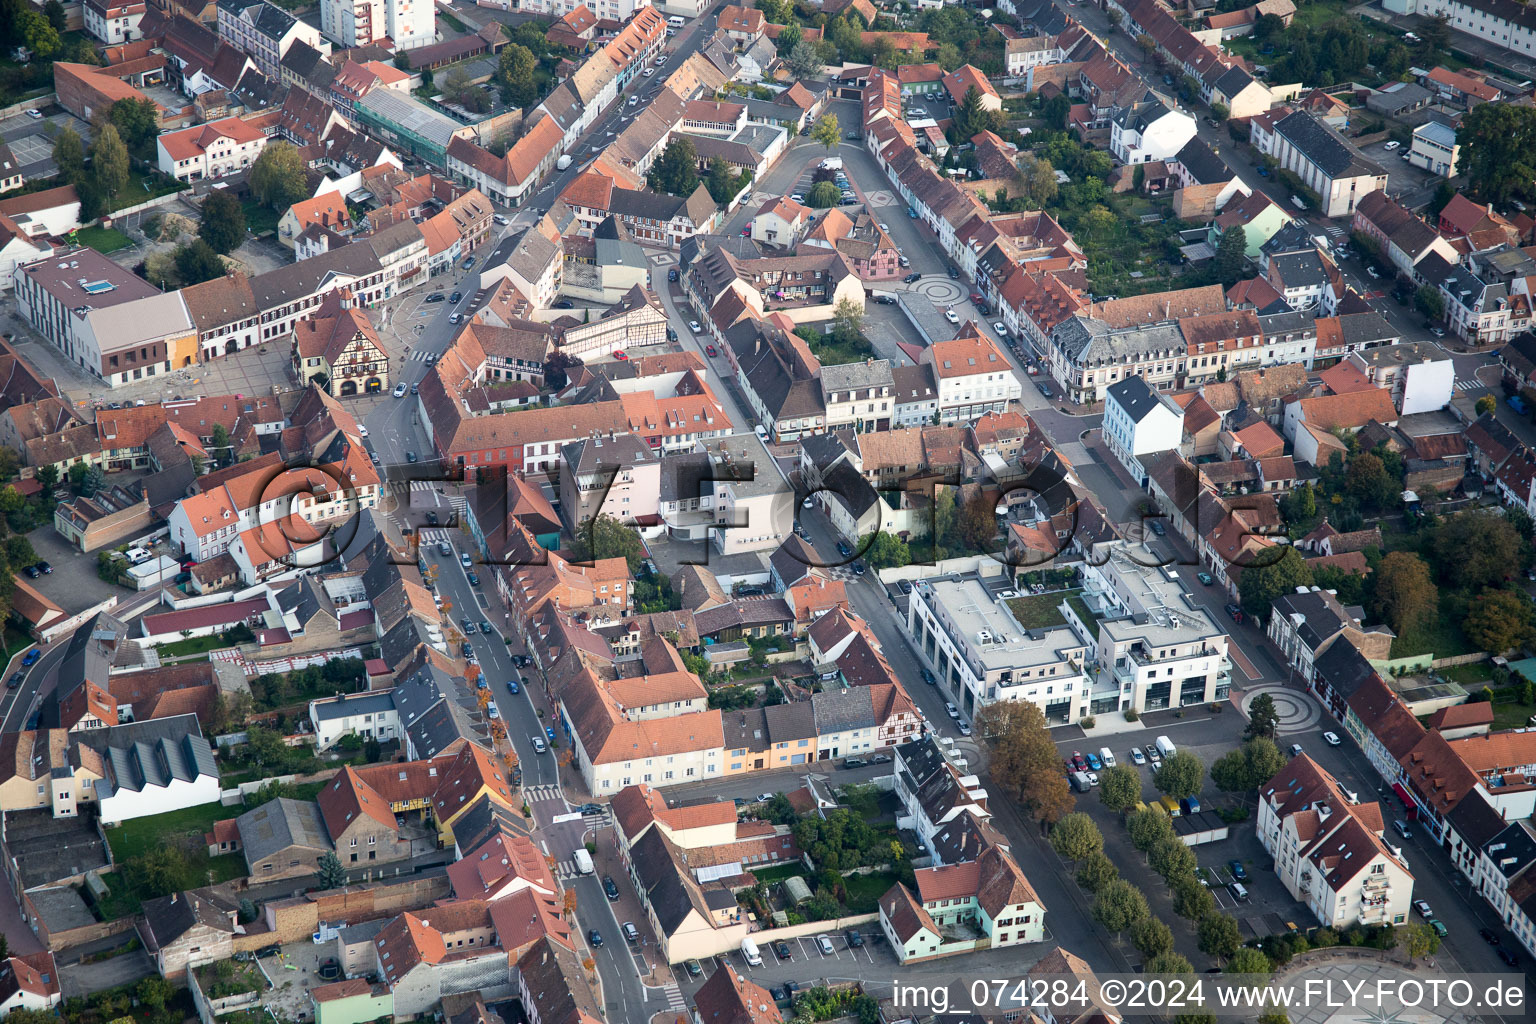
column 982, row 654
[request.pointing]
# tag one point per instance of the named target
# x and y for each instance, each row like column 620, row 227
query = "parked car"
column 474, row 580
column 951, row 710
column 929, row 678
column 1238, row 871
column 1234, row 611
column 693, row 325
column 1508, row 956
column 469, row 627
column 781, row 950
column 1439, row 928
column 1331, row 738
column 965, row 730
column 953, row 271
column 951, row 316
column 1153, row 755
column 1205, row 578
column 1489, row 936
column 435, row 297
column 1045, row 389
column 15, row 680
column 1401, row 828
column 1137, row 757
column 710, row 350
column 399, row 391
column 825, row 945
column 33, row 572
column 880, row 759
column 855, row 940
column 1296, row 750
column 853, row 762
column 672, row 275
column 1423, row 909
column 610, row 887
column 30, row 658
column 1093, row 761
column 905, row 586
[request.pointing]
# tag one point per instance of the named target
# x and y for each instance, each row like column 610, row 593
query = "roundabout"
column 938, row 290
column 1296, row 709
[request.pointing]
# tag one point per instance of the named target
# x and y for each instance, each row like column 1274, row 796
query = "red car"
column 621, row 355
column 710, row 349
column 1078, row 762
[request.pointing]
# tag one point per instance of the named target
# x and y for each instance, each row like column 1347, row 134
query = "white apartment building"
column 974, row 377
column 1325, row 161
column 113, row 21
column 1434, row 149
column 1329, row 851
column 982, row 654
column 1147, row 131
column 265, row 32
column 1507, row 25
column 213, row 150
column 1139, row 421
column 1156, row 646
column 349, row 23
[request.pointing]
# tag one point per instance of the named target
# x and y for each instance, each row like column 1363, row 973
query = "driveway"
column 78, row 979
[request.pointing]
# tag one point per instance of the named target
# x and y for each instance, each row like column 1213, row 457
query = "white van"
column 1107, row 756
column 1239, row 892
column 750, row 953
column 1165, row 746
column 137, row 555
column 584, row 862
column 675, row 21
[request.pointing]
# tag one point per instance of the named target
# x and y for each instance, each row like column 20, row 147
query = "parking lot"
column 1401, row 175
column 806, row 965
column 1269, row 908
column 31, row 139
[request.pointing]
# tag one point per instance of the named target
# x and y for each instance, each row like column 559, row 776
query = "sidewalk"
column 627, row 908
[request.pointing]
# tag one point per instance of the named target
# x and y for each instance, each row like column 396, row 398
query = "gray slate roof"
column 279, row 824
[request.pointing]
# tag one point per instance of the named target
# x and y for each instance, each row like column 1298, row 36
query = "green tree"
column 1147, row 828
column 1168, row 963
column 847, row 322
column 1499, row 620
column 804, row 61
column 1037, row 177
column 69, row 155
column 971, row 119
column 330, row 874
column 1486, row 405
column 1120, row 787
column 1075, row 837
column 1498, row 151
column 1171, row 858
column 54, row 12
column 1428, row 300
column 720, row 180
column 222, row 224
column 1417, row 940
column 402, row 60
column 1246, row 960
column 1023, row 760
column 885, row 550
column 48, row 477
column 1191, row 900
column 514, row 73
column 1263, row 717
column 606, row 537
column 1095, row 871
column 1151, row 937
column 1118, row 906
column 34, row 32
column 676, row 171
column 823, row 195
column 155, row 993
column 1231, row 255
column 137, row 121
column 109, row 162
column 1219, row 935
column 827, row 131
column 278, row 177
column 1474, row 549
column 220, row 443
column 1180, row 776
column 197, row 262
column 1263, row 583
column 1403, row 594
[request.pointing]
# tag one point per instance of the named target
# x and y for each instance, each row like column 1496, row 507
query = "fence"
column 984, row 565
column 1459, row 659
column 148, row 204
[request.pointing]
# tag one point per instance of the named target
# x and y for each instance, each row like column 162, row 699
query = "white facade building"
column 1139, row 421
column 1329, row 851
column 1324, row 161
column 1148, row 131
column 349, row 23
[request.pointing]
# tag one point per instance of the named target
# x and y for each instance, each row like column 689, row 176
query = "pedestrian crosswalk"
column 542, row 794
column 1470, row 384
column 674, row 997
column 566, row 869
column 420, row 356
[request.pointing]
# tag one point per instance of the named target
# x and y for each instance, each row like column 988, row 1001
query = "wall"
column 985, row 565
column 295, row 920
column 68, row 625
column 68, row 938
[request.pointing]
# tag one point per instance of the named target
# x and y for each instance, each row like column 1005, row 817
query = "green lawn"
column 778, row 873
column 1473, row 677
column 1042, row 611
column 259, row 219
column 103, row 240
column 1442, row 638
column 454, row 23
column 832, row 354
column 1081, row 609
column 1512, row 715
column 144, row 188
column 864, row 891
column 192, row 645
column 122, row 901
column 139, row 835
